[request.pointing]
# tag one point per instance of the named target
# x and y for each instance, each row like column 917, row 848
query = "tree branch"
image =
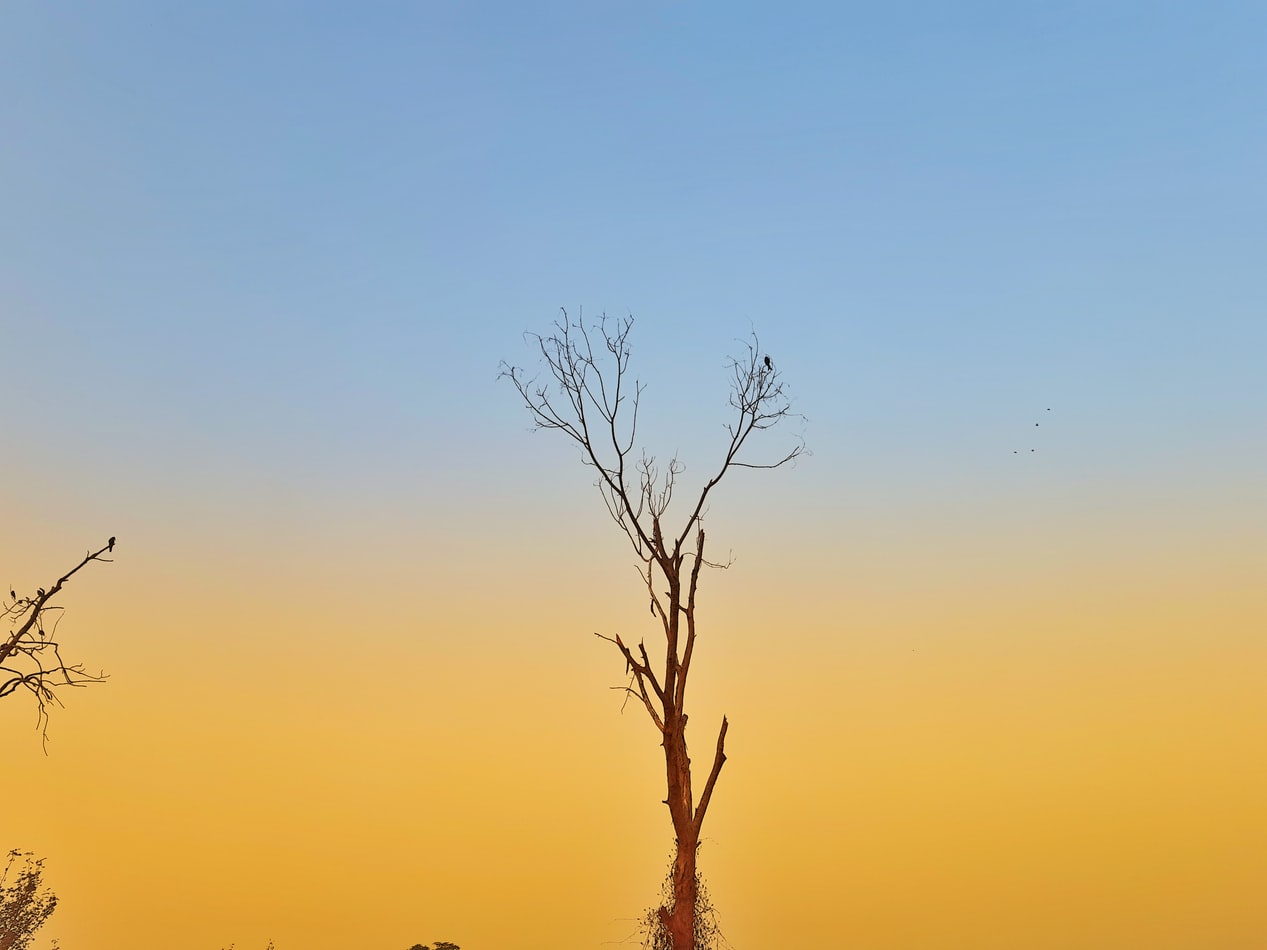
column 31, row 642
column 719, row 759
column 757, row 393
column 642, row 673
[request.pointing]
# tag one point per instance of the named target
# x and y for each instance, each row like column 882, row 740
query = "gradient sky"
column 259, row 263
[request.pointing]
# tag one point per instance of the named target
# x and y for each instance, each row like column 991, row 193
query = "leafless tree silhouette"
column 30, row 656
column 590, row 397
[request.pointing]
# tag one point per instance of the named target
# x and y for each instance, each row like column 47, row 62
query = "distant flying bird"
column 110, row 545
column 768, row 364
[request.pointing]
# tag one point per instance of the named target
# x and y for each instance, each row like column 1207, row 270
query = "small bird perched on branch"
column 110, row 545
column 769, row 364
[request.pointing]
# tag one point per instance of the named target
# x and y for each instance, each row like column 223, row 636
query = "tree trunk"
column 679, row 920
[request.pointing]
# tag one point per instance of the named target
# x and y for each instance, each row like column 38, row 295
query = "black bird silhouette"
column 768, row 364
column 13, row 594
column 110, row 545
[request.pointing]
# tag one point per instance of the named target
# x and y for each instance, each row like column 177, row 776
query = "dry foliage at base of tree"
column 591, row 399
column 30, row 656
column 707, row 934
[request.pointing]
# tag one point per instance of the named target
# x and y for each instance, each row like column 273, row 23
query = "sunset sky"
column 259, row 264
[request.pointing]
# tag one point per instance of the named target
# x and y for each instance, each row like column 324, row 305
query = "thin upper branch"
column 757, row 394
column 569, row 353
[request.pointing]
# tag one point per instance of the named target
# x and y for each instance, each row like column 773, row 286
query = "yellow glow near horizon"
column 1065, row 765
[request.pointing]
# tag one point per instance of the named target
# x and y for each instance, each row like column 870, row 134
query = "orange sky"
column 1044, row 735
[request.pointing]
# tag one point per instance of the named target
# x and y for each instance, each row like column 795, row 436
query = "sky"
column 989, row 683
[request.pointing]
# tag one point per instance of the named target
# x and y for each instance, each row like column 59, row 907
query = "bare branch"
column 757, row 394
column 689, row 610
column 719, row 759
column 642, row 674
column 579, row 376
column 30, row 656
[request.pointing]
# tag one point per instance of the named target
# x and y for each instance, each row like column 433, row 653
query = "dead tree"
column 590, row 397
column 31, row 657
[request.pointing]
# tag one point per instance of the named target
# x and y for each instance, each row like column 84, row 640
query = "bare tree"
column 30, row 656
column 591, row 399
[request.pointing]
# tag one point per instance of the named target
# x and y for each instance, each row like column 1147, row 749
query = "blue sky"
column 297, row 240
column 302, row 174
